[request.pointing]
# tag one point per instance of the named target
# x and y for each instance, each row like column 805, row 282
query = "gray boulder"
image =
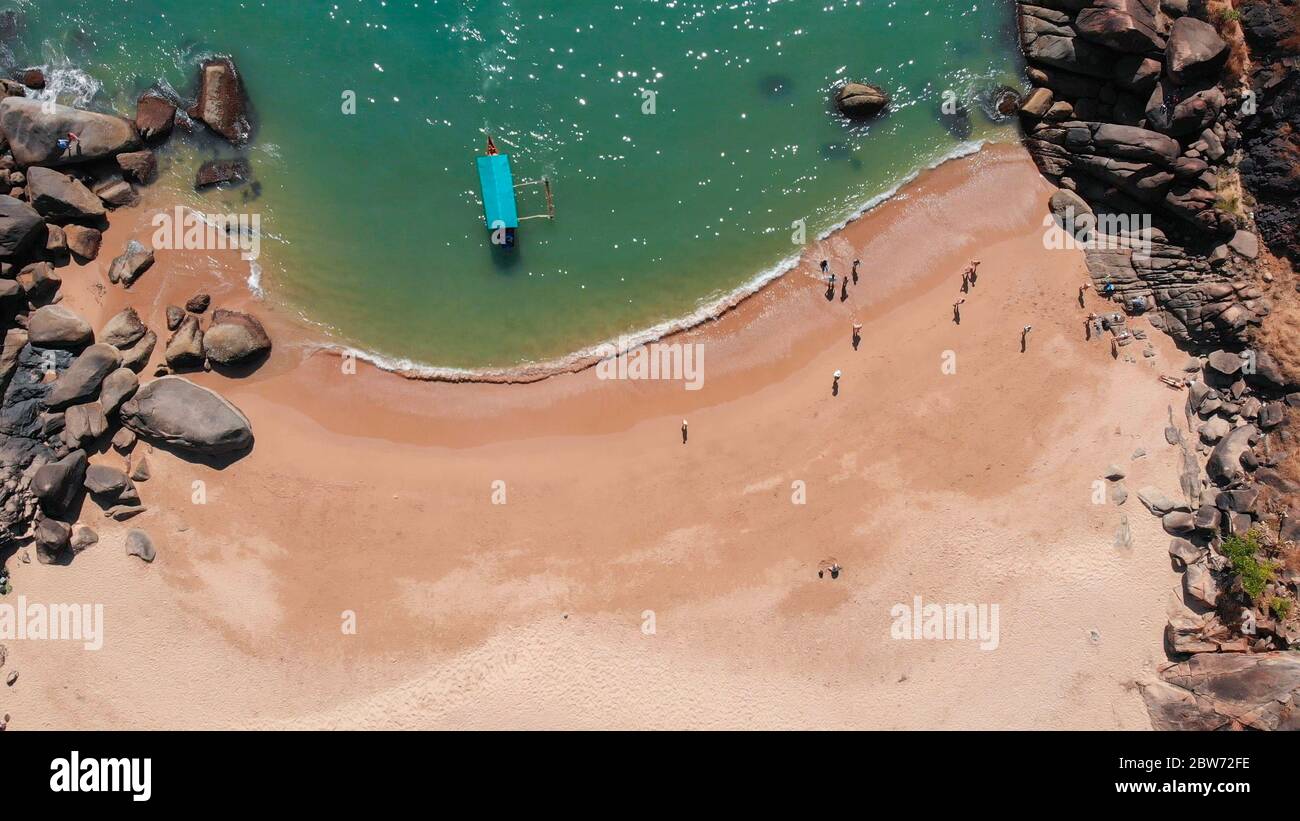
column 194, row 419
column 1124, row 25
column 1199, row 584
column 20, row 226
column 53, row 326
column 139, row 544
column 1178, row 523
column 105, row 481
column 52, row 540
column 133, row 262
column 185, row 348
column 83, row 424
column 235, row 337
column 1195, row 50
column 1224, row 466
column 33, row 130
column 1225, row 362
column 123, row 330
column 137, row 356
column 56, row 484
column 57, row 196
column 80, row 382
column 119, row 386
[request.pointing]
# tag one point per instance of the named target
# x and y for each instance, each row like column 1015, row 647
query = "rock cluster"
column 65, row 390
column 1130, row 110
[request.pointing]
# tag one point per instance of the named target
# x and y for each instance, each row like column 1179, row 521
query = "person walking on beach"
column 1083, row 289
column 844, row 290
column 683, row 431
column 956, row 311
column 974, row 271
column 1087, row 326
column 830, row 287
column 835, row 383
column 857, row 334
column 855, row 271
column 1024, row 337
column 965, row 281
column 826, row 266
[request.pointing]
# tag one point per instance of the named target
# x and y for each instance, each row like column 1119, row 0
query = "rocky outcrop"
column 33, row 130
column 1227, row 691
column 1127, row 113
column 222, row 103
column 177, row 412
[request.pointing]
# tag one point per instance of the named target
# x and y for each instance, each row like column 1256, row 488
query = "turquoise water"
column 375, row 226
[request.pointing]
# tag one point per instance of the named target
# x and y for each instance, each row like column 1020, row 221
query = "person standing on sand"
column 965, row 281
column 835, row 383
column 956, row 311
column 974, row 271
column 857, row 334
column 1083, row 289
column 855, row 271
column 844, row 290
column 683, row 431
column 826, row 266
column 1024, row 337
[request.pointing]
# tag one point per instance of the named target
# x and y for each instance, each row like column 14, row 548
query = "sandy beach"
column 378, row 496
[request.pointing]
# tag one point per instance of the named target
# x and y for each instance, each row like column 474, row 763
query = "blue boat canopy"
column 498, row 186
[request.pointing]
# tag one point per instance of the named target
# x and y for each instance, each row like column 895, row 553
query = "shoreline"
column 370, row 494
column 591, row 355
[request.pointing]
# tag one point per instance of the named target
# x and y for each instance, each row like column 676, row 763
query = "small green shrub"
column 1281, row 607
column 1255, row 574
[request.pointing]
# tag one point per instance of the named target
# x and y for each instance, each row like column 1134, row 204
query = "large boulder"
column 137, row 356
column 82, row 241
column 57, row 196
column 83, row 424
column 81, row 381
column 54, row 326
column 185, row 347
column 133, row 262
column 194, row 419
column 56, row 484
column 861, row 100
column 235, row 337
column 33, row 129
column 124, row 329
column 154, row 116
column 222, row 103
column 1195, row 50
column 119, row 386
column 52, row 540
column 20, row 226
column 1224, row 466
column 1124, row 25
column 106, row 481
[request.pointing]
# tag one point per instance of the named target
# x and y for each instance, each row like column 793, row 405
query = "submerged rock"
column 222, row 103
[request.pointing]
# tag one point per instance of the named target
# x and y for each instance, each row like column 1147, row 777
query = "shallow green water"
column 377, row 230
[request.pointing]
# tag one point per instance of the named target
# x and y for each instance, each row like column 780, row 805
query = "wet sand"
column 373, row 495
